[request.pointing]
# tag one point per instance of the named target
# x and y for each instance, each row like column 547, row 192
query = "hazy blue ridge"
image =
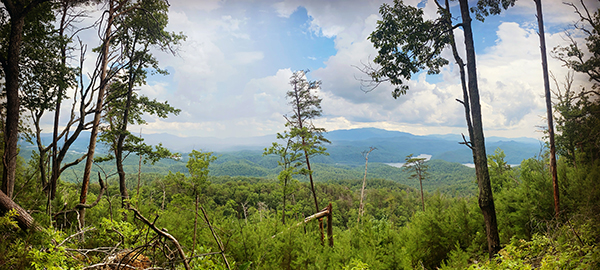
column 346, row 146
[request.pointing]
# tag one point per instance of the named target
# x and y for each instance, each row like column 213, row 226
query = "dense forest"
column 141, row 206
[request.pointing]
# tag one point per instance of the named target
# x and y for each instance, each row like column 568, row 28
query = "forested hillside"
column 94, row 194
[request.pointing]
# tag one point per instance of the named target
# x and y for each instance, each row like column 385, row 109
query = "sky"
column 231, row 75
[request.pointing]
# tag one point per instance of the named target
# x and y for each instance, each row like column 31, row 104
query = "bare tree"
column 538, row 4
column 362, row 190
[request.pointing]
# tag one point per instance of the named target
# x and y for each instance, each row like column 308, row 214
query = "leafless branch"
column 162, row 233
column 465, row 142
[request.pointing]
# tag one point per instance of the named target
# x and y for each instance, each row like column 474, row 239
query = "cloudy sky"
column 231, row 74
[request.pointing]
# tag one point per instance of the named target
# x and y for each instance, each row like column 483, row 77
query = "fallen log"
column 24, row 219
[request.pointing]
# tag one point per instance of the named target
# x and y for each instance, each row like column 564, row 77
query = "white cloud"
column 214, row 79
column 244, row 58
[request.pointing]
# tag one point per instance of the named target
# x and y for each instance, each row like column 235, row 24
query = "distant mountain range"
column 346, row 146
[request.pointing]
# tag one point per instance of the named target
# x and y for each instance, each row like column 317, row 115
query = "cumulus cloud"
column 509, row 75
column 221, row 82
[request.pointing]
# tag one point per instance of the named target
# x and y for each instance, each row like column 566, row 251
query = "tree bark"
column 98, row 110
column 538, row 4
column 284, row 200
column 219, row 244
column 11, row 126
column 362, row 190
column 123, row 129
column 17, row 11
column 330, row 225
column 25, row 221
column 63, row 61
column 421, row 183
column 486, row 198
column 195, row 225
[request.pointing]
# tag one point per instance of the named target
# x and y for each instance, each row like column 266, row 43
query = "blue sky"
column 231, row 74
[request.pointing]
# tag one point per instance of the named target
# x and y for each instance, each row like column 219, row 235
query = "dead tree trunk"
column 362, row 190
column 216, row 238
column 538, row 4
column 104, row 54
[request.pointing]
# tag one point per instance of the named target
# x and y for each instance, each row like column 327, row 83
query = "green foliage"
column 356, row 264
column 302, row 135
column 501, row 174
column 578, row 120
column 406, row 43
column 445, row 225
column 32, row 250
column 543, row 253
column 486, row 8
column 197, row 167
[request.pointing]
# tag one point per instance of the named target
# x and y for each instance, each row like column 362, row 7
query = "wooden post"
column 330, row 225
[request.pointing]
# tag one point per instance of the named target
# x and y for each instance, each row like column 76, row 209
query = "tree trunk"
column 24, row 220
column 11, row 72
column 330, row 225
column 486, row 198
column 63, row 62
column 123, row 130
column 362, row 190
column 421, row 183
column 312, row 187
column 538, row 5
column 98, row 110
column 122, row 177
column 284, row 200
column 195, row 225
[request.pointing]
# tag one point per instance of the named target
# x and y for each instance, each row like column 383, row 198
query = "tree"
column 500, row 172
column 39, row 76
column 418, row 170
column 67, row 18
column 407, row 43
column 362, row 190
column 139, row 31
column 290, row 159
column 111, row 60
column 538, row 4
column 10, row 60
column 578, row 120
column 305, row 137
column 197, row 182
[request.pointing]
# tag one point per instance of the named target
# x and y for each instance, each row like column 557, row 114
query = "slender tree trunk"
column 463, row 81
column 421, row 183
column 362, row 190
column 312, row 183
column 284, row 200
column 486, row 198
column 11, row 126
column 312, row 187
column 538, row 4
column 139, row 172
column 195, row 225
column 330, row 225
column 98, row 111
column 123, row 128
column 63, row 62
column 122, row 178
